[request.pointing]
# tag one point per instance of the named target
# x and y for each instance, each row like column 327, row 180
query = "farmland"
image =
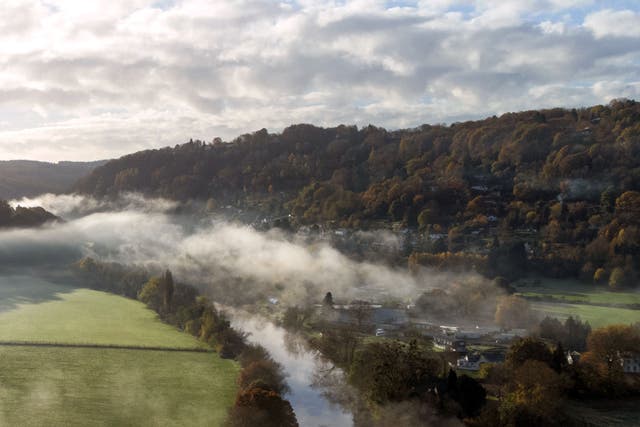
column 79, row 386
column 597, row 316
column 102, row 386
column 594, row 303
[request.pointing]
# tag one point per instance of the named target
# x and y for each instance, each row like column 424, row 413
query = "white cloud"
column 86, row 80
column 616, row 23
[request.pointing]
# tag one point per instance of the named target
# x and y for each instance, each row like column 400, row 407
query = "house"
column 449, row 343
column 573, row 357
column 370, row 314
column 470, row 362
column 631, row 363
column 473, row 361
column 469, row 334
column 390, row 317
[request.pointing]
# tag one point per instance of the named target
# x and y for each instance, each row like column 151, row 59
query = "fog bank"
column 203, row 250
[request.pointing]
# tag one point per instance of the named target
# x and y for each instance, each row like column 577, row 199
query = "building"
column 573, row 357
column 470, row 362
column 473, row 361
column 449, row 343
column 631, row 364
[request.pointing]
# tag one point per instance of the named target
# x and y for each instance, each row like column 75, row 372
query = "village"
column 466, row 347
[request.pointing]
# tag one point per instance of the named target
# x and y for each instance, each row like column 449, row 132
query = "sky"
column 95, row 79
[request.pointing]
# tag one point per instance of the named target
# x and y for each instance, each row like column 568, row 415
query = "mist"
column 227, row 259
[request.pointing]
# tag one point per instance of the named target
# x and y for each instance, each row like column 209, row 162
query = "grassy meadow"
column 597, row 316
column 109, row 387
column 70, row 386
column 594, row 303
column 84, row 316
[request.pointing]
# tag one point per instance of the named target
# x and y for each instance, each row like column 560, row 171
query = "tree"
column 534, row 397
column 327, row 301
column 551, row 328
column 392, row 371
column 258, row 406
column 617, row 280
column 628, row 207
column 605, row 347
column 513, row 311
column 295, row 317
column 267, row 371
column 167, row 288
column 600, row 275
column 471, row 395
column 558, row 358
column 528, row 349
column 151, row 293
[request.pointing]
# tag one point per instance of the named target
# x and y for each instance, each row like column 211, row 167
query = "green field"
column 573, row 291
column 69, row 386
column 107, row 387
column 597, row 316
column 87, row 316
column 593, row 303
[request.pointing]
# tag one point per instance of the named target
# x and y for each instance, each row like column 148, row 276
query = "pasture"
column 84, row 316
column 597, row 316
column 573, row 291
column 108, row 387
column 77, row 386
column 593, row 303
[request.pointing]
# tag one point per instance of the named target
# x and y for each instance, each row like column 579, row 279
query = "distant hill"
column 555, row 191
column 346, row 174
column 26, row 178
column 20, row 217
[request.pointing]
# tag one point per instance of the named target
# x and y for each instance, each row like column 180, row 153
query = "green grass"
column 593, row 303
column 573, row 291
column 597, row 316
column 88, row 316
column 62, row 386
column 106, row 387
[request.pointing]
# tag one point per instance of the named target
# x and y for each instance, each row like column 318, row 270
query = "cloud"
column 86, row 80
column 616, row 23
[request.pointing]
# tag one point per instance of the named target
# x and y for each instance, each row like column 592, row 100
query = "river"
column 312, row 407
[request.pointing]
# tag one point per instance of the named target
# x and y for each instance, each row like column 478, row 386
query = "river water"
column 312, row 407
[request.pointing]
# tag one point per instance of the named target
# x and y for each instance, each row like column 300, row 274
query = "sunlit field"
column 69, row 386
column 90, row 317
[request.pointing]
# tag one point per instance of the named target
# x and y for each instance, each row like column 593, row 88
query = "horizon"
column 279, row 131
column 87, row 81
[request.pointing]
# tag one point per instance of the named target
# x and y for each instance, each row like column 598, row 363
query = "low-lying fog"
column 203, row 250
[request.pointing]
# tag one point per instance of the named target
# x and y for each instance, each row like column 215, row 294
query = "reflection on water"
column 307, row 374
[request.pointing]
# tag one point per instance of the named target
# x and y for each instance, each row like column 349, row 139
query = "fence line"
column 103, row 346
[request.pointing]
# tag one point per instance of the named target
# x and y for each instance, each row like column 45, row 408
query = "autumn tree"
column 260, row 406
column 526, row 349
column 534, row 397
column 605, row 348
column 513, row 311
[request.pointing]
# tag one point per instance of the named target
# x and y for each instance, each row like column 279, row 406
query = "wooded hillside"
column 562, row 181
